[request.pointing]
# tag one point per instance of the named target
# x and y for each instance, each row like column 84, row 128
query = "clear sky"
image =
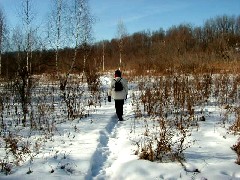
column 137, row 15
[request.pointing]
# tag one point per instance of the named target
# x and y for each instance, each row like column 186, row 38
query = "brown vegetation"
column 215, row 47
column 173, row 105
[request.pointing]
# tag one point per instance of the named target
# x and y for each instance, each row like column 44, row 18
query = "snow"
column 99, row 147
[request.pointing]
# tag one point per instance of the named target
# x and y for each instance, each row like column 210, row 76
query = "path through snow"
column 114, row 151
column 102, row 152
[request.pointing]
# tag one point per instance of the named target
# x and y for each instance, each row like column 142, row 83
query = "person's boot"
column 120, row 118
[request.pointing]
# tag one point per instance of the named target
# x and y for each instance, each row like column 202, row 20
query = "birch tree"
column 69, row 26
column 121, row 35
column 55, row 29
column 81, row 28
column 2, row 36
column 27, row 15
column 23, row 82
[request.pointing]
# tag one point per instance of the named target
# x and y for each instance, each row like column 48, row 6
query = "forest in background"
column 185, row 48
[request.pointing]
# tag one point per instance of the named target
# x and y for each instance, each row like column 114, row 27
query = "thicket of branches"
column 173, row 107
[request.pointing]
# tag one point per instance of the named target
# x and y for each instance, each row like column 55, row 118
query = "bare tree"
column 121, row 35
column 27, row 15
column 69, row 26
column 103, row 57
column 78, row 11
column 81, row 28
column 17, row 44
column 24, row 40
column 55, row 29
column 2, row 36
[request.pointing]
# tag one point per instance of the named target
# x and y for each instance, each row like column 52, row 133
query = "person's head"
column 118, row 73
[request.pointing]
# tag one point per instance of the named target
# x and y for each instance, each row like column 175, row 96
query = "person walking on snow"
column 118, row 90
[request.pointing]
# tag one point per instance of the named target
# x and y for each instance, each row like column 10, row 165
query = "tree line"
column 211, row 47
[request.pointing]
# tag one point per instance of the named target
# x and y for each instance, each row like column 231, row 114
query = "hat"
column 118, row 73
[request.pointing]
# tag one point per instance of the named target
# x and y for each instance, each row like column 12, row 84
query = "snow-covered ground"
column 100, row 147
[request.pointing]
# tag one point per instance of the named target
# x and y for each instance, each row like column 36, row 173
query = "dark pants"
column 119, row 108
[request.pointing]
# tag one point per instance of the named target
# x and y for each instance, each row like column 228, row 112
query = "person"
column 119, row 95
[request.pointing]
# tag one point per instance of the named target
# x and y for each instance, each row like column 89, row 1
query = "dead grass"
column 168, row 104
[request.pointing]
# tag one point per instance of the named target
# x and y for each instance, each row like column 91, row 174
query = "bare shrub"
column 72, row 98
column 6, row 167
column 23, row 86
column 236, row 125
column 173, row 104
column 236, row 148
column 93, row 76
column 169, row 103
column 93, row 81
column 16, row 149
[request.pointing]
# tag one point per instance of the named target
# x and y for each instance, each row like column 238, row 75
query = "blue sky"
column 137, row 15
